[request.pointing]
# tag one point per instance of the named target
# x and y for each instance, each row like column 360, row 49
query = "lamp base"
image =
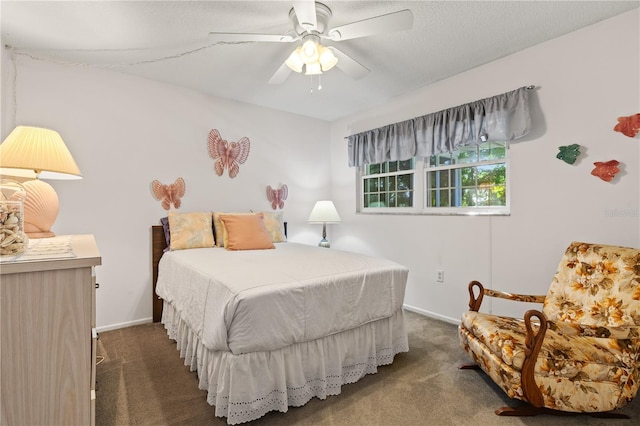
column 324, row 243
column 40, row 209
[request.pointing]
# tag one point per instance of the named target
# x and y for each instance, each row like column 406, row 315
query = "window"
column 388, row 185
column 471, row 180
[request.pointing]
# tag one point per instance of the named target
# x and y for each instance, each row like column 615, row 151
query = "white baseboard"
column 123, row 324
column 431, row 314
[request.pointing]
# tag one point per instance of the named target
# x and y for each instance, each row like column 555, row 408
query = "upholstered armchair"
column 581, row 352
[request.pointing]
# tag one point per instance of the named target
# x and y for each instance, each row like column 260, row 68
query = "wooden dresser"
column 48, row 337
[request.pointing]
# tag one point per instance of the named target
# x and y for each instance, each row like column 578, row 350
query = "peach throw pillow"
column 245, row 232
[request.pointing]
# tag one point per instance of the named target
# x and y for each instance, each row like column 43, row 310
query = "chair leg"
column 469, row 367
column 530, row 410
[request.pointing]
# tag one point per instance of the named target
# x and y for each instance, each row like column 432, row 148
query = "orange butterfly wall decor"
column 228, row 155
column 168, row 194
column 277, row 196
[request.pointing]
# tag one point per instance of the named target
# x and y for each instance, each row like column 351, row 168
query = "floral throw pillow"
column 190, row 230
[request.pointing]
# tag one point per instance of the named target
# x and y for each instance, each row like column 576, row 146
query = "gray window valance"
column 503, row 117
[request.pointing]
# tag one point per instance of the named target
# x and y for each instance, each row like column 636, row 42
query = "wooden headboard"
column 158, row 245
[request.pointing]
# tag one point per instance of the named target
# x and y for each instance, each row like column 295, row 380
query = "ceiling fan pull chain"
column 319, row 82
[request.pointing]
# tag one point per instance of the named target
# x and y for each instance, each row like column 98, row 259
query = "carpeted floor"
column 142, row 381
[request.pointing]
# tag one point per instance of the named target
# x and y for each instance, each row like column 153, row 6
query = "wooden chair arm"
column 476, row 301
column 533, row 343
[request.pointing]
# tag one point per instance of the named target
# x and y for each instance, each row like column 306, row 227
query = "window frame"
column 420, row 170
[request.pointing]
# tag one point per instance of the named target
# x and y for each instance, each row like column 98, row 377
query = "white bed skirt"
column 247, row 386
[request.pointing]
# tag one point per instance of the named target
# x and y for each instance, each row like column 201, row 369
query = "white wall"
column 124, row 132
column 584, row 81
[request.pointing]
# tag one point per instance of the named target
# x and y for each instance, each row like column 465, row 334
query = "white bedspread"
column 262, row 300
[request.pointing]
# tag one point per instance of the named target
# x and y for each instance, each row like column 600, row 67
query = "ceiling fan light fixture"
column 309, row 52
column 294, row 62
column 327, row 59
column 313, row 69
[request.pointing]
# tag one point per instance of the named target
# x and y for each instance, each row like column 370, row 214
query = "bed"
column 270, row 329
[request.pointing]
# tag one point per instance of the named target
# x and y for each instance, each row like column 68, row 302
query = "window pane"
column 485, row 152
column 468, row 154
column 431, row 199
column 432, row 181
column 444, row 198
column 405, row 165
column 498, row 196
column 405, row 182
column 374, row 169
column 392, row 199
column 371, row 185
column 482, row 197
column 468, row 176
column 391, row 183
column 444, row 178
column 374, row 200
column 468, row 197
column 383, row 200
column 405, row 199
column 393, row 166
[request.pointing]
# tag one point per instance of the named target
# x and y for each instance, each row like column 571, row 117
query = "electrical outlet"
column 440, row 275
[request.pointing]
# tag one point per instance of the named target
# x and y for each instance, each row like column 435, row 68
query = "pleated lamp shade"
column 34, row 152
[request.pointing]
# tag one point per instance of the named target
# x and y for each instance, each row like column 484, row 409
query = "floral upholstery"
column 589, row 356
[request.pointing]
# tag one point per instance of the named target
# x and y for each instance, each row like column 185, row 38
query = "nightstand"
column 47, row 335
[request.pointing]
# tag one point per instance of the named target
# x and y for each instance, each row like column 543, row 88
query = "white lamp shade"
column 313, row 69
column 327, row 58
column 294, row 62
column 40, row 150
column 309, row 52
column 324, row 212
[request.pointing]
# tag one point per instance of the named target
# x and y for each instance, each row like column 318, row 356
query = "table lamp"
column 324, row 212
column 36, row 153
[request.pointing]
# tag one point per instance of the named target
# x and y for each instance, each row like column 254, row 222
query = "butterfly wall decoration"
column 569, row 154
column 228, row 155
column 169, row 194
column 606, row 170
column 628, row 126
column 277, row 196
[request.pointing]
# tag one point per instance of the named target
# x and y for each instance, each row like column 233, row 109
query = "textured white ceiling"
column 167, row 41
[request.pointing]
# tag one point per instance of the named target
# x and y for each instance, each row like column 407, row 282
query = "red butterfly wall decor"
column 277, row 196
column 628, row 126
column 228, row 155
column 606, row 170
column 169, row 194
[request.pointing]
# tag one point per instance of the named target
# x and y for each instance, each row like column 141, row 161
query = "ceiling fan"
column 310, row 20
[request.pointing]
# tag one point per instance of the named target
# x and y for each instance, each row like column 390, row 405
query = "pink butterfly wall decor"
column 168, row 194
column 277, row 196
column 228, row 155
column 628, row 126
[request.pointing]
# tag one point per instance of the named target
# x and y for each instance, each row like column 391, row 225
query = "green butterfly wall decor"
column 569, row 154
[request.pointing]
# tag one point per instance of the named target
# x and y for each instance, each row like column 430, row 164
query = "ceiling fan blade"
column 279, row 38
column 306, row 14
column 280, row 75
column 348, row 65
column 396, row 21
